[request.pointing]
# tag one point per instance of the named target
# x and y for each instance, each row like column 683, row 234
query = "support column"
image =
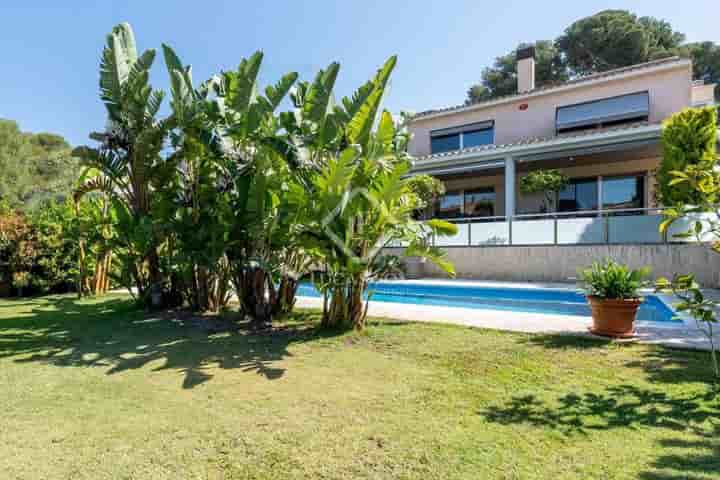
column 509, row 188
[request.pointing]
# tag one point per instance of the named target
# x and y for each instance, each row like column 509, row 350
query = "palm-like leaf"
column 241, row 86
column 363, row 121
column 318, row 97
column 275, row 93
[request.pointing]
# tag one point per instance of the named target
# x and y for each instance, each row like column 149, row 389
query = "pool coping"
column 684, row 334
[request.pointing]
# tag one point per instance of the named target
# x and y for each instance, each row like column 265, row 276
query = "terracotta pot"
column 614, row 318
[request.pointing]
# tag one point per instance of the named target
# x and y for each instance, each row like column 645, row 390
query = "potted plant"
column 613, row 292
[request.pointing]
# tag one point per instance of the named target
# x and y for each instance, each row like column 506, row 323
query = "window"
column 477, row 138
column 449, row 206
column 465, row 136
column 480, row 202
column 581, row 194
column 606, row 112
column 445, row 143
column 623, row 192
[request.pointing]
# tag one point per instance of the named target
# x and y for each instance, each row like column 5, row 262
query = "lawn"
column 95, row 389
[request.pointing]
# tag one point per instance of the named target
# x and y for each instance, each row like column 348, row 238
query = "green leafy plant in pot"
column 613, row 292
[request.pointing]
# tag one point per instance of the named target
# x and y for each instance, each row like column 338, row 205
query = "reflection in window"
column 449, row 206
column 579, row 195
column 464, row 136
column 480, row 202
column 623, row 192
column 445, row 143
column 478, row 137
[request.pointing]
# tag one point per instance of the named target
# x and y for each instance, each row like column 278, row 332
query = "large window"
column 445, row 143
column 581, row 194
column 480, row 202
column 449, row 206
column 618, row 193
column 605, row 112
column 623, row 192
column 464, row 136
column 477, row 138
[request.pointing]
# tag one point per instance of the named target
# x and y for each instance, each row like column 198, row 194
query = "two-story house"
column 602, row 131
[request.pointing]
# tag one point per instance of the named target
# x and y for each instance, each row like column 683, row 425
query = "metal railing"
column 608, row 226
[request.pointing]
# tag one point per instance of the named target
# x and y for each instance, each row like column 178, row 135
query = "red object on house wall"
column 523, row 106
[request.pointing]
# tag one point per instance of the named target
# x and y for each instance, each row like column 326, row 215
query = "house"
column 602, row 131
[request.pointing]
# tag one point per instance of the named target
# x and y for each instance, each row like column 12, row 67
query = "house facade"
column 602, row 131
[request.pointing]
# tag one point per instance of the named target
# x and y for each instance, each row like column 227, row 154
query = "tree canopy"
column 501, row 78
column 33, row 167
column 606, row 40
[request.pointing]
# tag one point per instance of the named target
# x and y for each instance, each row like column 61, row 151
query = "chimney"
column 526, row 69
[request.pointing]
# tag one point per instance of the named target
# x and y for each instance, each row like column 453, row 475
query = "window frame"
column 460, row 131
column 573, row 181
column 643, row 190
column 471, row 191
column 461, row 196
column 600, row 124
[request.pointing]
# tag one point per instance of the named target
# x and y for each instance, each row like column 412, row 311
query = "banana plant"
column 227, row 134
column 129, row 148
column 192, row 206
column 359, row 199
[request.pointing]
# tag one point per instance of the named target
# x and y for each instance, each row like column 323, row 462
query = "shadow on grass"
column 690, row 413
column 113, row 334
column 564, row 341
column 695, row 416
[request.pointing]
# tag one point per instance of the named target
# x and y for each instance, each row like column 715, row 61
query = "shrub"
column 688, row 142
column 38, row 251
column 611, row 280
column 56, row 242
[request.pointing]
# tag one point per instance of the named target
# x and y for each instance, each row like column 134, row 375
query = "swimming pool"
column 535, row 300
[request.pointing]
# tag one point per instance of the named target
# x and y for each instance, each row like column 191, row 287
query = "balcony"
column 590, row 227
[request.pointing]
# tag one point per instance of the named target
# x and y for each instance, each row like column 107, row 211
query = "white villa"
column 602, row 131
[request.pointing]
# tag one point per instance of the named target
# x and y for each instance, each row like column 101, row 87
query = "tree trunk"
column 347, row 306
column 156, row 283
column 108, row 266
column 286, row 295
column 356, row 307
column 257, row 295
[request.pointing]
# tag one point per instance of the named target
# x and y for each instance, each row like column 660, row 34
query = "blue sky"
column 50, row 51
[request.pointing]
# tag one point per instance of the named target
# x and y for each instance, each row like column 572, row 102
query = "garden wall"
column 560, row 263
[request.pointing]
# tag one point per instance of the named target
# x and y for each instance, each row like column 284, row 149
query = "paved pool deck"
column 681, row 334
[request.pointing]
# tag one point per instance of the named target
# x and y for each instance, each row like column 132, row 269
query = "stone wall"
column 560, row 263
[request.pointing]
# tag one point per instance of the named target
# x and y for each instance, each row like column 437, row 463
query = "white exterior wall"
column 669, row 90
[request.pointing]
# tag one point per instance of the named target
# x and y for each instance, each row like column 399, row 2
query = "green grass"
column 97, row 390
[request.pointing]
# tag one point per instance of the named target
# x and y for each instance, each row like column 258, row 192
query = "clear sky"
column 49, row 49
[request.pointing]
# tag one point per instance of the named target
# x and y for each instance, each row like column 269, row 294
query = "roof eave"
column 679, row 63
column 559, row 145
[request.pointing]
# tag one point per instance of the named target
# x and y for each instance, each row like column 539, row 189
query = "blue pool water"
column 563, row 302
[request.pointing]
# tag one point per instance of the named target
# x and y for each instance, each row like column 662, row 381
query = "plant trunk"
column 257, row 295
column 108, row 266
column 356, row 305
column 286, row 295
column 156, row 283
column 347, row 308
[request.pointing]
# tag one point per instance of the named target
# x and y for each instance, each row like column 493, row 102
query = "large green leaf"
column 386, row 131
column 242, row 85
column 318, row 97
column 126, row 38
column 362, row 123
column 275, row 93
column 442, row 227
column 434, row 254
